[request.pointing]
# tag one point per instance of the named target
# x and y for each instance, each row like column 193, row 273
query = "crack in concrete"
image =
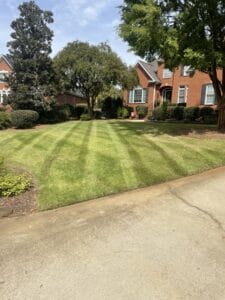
column 205, row 212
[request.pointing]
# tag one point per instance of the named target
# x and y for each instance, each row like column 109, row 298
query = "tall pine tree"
column 32, row 76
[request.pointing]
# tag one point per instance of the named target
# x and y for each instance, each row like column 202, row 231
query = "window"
column 182, row 94
column 167, row 73
column 185, row 71
column 3, row 95
column 2, row 75
column 209, row 95
column 138, row 95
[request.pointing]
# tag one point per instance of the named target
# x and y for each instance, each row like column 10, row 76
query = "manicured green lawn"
column 76, row 161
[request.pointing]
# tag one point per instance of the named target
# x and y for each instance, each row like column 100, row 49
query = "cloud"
column 80, row 12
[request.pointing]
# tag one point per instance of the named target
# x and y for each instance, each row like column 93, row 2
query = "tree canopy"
column 90, row 69
column 32, row 76
column 180, row 32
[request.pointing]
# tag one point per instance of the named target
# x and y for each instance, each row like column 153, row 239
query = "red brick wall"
column 194, row 83
column 144, row 82
column 4, row 67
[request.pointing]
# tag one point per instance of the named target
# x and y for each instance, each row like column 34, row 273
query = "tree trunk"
column 221, row 118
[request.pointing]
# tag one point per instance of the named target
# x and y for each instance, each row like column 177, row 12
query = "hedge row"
column 188, row 114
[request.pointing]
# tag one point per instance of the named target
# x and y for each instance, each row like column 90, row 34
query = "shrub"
column 206, row 111
column 142, row 111
column 191, row 113
column 63, row 113
column 24, row 118
column 13, row 184
column 97, row 114
column 170, row 112
column 209, row 115
column 85, row 117
column 179, row 113
column 80, row 110
column 123, row 113
column 110, row 107
column 160, row 113
column 5, row 121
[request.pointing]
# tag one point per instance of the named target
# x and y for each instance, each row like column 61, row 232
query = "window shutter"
column 203, row 94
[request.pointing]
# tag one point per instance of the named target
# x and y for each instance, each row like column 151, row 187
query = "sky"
column 92, row 21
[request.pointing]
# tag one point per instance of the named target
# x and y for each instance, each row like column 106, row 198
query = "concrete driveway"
column 162, row 242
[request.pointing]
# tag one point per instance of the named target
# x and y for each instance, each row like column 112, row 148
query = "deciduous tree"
column 90, row 69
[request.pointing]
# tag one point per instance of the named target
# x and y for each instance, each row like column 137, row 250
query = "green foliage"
column 180, row 32
column 13, row 184
column 85, row 117
column 5, row 121
column 80, row 110
column 110, row 107
column 206, row 111
column 89, row 69
column 142, row 111
column 175, row 112
column 159, row 114
column 179, row 113
column 209, row 115
column 24, row 118
column 123, row 113
column 32, row 78
column 191, row 113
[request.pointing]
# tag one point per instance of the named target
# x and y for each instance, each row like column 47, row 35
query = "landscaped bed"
column 76, row 161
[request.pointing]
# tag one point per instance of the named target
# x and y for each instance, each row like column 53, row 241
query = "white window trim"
column 2, row 93
column 206, row 95
column 143, row 99
column 185, row 88
column 167, row 73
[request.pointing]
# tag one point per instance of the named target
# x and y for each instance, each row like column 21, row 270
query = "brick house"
column 5, row 69
column 158, row 84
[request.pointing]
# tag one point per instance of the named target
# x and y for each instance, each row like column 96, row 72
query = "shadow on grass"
column 156, row 129
column 56, row 150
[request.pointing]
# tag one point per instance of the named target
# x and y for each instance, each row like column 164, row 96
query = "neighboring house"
column 158, row 84
column 5, row 69
column 73, row 99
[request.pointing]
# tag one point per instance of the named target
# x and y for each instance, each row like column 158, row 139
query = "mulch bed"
column 23, row 204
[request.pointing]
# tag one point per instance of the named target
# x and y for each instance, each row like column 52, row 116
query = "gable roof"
column 151, row 69
column 7, row 59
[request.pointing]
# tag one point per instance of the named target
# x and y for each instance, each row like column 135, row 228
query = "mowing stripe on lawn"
column 142, row 173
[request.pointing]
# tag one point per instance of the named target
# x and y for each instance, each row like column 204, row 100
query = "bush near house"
column 80, row 110
column 5, row 121
column 191, row 113
column 142, row 111
column 123, row 113
column 205, row 115
column 160, row 113
column 209, row 115
column 85, row 117
column 110, row 107
column 175, row 112
column 24, row 118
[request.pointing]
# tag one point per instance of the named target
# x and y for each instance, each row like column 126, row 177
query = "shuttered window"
column 209, row 95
